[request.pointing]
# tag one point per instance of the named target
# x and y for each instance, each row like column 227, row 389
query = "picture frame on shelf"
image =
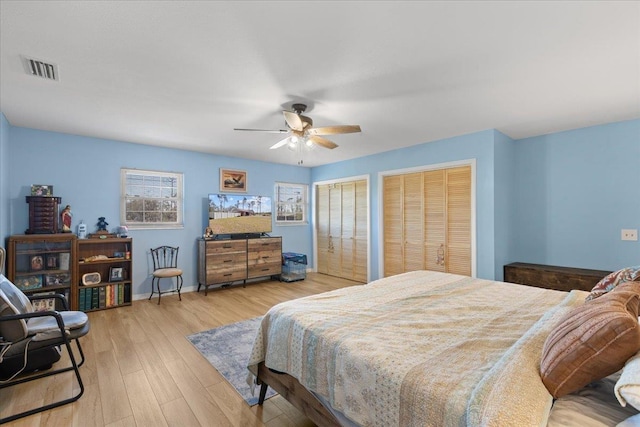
column 37, row 263
column 52, row 261
column 59, row 279
column 232, row 180
column 63, row 261
column 27, row 283
column 116, row 274
column 46, row 304
column 41, row 190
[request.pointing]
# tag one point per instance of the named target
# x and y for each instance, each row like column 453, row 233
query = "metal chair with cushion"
column 165, row 266
column 31, row 341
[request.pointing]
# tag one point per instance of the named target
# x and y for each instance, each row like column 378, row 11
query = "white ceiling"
column 183, row 74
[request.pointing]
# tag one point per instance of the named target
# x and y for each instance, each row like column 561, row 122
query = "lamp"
column 298, row 144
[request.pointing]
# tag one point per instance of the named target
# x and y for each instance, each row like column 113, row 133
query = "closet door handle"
column 440, row 255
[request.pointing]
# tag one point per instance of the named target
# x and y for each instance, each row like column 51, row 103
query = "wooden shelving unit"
column 106, row 257
column 44, row 263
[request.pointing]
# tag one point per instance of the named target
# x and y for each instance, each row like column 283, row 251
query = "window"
column 291, row 203
column 151, row 199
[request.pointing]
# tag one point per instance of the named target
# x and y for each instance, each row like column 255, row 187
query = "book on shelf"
column 102, row 296
column 127, row 293
column 95, row 298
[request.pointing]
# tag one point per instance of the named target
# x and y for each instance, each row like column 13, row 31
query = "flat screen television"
column 239, row 214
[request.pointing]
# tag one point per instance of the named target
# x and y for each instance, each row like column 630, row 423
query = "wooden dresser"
column 553, row 277
column 222, row 262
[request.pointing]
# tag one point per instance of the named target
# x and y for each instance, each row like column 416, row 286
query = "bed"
column 420, row 348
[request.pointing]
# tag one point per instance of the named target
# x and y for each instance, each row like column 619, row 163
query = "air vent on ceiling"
column 36, row 67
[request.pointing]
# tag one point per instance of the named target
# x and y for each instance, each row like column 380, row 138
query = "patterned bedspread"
column 420, row 348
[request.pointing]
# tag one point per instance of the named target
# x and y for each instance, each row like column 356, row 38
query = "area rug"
column 228, row 349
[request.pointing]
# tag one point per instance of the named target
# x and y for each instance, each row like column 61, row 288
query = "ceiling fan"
column 301, row 130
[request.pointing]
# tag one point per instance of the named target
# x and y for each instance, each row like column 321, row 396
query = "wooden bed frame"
column 296, row 394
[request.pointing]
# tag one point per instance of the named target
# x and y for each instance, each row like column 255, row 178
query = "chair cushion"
column 13, row 301
column 46, row 327
column 167, row 272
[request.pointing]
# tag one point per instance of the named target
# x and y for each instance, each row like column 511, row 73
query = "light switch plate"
column 630, row 234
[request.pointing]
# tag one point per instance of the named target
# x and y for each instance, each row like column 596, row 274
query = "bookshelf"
column 111, row 259
column 44, row 264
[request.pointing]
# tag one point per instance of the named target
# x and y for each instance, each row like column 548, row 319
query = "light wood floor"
column 142, row 371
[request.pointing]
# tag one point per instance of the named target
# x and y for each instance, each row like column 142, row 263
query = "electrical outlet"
column 630, row 234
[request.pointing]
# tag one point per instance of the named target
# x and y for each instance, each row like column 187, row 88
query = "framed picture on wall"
column 233, row 180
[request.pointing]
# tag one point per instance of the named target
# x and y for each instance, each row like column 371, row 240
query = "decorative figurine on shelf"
column 65, row 217
column 102, row 224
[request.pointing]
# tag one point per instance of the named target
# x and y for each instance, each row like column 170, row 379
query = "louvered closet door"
column 435, row 219
column 413, row 223
column 322, row 233
column 342, row 235
column 427, row 221
column 347, row 221
column 361, row 234
column 393, row 227
column 334, row 255
column 458, row 247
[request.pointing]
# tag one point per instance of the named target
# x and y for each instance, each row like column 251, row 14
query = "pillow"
column 13, row 301
column 609, row 282
column 627, row 388
column 592, row 341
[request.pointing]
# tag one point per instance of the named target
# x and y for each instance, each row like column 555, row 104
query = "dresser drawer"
column 231, row 274
column 264, row 244
column 263, row 256
column 226, row 246
column 264, row 270
column 215, row 260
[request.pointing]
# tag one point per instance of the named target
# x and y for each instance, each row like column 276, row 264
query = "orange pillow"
column 592, row 341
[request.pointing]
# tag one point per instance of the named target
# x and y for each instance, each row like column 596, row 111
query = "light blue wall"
column 85, row 173
column 576, row 190
column 477, row 146
column 504, row 192
column 557, row 199
column 4, row 179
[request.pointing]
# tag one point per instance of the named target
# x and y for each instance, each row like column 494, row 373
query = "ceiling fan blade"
column 293, row 120
column 323, row 142
column 264, row 130
column 279, row 144
column 335, row 130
